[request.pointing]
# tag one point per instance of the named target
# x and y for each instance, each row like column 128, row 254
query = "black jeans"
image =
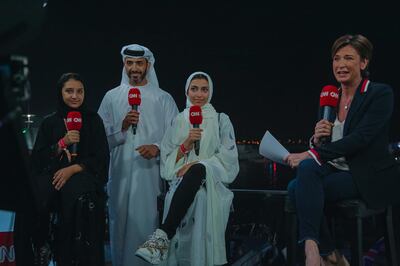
column 183, row 198
column 314, row 185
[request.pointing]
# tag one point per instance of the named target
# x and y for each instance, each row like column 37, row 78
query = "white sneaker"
column 154, row 250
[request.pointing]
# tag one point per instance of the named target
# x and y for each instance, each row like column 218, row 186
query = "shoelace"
column 155, row 242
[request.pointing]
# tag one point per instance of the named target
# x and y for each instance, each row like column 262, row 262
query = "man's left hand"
column 148, row 151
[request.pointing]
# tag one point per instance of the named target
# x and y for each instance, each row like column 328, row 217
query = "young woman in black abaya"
column 70, row 186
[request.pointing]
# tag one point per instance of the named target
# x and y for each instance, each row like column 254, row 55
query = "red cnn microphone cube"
column 195, row 116
column 74, row 121
column 134, row 98
column 329, row 96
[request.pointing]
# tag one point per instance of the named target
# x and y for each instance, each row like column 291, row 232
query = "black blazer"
column 365, row 145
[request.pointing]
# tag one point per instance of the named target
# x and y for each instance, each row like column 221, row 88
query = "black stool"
column 350, row 209
column 356, row 209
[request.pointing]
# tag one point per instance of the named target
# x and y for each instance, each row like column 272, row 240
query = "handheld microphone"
column 328, row 101
column 196, row 119
column 134, row 101
column 74, row 122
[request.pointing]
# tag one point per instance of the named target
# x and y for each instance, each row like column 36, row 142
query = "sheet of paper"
column 272, row 149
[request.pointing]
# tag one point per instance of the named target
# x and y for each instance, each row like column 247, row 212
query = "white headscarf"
column 151, row 72
column 210, row 87
column 210, row 210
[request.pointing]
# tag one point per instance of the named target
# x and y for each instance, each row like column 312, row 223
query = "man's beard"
column 138, row 80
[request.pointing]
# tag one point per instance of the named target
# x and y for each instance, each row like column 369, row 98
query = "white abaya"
column 200, row 238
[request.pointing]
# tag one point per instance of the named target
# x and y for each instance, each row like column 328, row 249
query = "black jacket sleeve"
column 365, row 125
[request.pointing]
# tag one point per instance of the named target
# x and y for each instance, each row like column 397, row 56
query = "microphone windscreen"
column 329, row 96
column 134, row 97
column 195, row 116
column 74, row 120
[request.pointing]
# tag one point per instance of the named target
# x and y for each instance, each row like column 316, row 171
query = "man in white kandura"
column 134, row 177
column 198, row 202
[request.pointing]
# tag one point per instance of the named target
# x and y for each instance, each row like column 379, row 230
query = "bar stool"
column 356, row 209
column 348, row 209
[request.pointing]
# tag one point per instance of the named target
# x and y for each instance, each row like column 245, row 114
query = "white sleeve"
column 170, row 112
column 169, row 150
column 114, row 133
column 225, row 161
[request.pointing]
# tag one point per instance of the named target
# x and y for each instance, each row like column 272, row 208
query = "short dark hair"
column 360, row 43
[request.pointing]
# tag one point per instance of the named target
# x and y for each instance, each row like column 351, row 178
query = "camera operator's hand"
column 71, row 137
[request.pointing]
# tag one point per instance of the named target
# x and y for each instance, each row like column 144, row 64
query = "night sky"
column 268, row 61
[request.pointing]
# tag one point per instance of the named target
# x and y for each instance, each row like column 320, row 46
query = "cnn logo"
column 7, row 253
column 75, row 120
column 195, row 114
column 330, row 94
column 133, row 96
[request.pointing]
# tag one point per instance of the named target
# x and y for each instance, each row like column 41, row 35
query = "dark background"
column 268, row 60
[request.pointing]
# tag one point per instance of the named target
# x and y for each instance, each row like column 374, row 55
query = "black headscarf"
column 63, row 109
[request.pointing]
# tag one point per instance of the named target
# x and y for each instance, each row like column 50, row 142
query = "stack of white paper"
column 272, row 149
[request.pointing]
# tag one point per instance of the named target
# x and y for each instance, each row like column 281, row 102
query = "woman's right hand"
column 322, row 129
column 194, row 134
column 71, row 137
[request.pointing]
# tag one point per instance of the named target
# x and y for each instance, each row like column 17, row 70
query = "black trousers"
column 183, row 198
column 314, row 185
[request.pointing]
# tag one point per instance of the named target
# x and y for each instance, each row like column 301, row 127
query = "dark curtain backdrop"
column 269, row 60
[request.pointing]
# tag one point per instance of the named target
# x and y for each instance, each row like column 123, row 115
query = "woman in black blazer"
column 356, row 163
